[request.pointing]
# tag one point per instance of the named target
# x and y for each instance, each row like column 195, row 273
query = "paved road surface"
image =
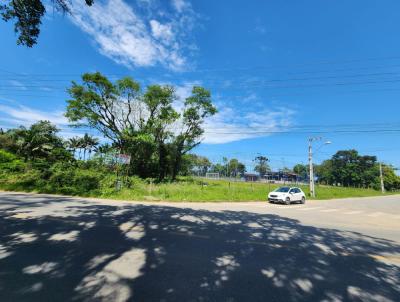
column 73, row 249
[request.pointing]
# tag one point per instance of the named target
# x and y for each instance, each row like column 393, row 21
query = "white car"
column 287, row 195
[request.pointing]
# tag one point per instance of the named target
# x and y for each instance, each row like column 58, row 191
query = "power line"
column 13, row 88
column 245, row 83
column 309, row 63
column 309, row 132
column 56, row 94
column 375, row 74
column 290, row 131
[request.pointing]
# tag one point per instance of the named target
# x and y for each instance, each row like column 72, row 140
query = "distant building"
column 251, row 177
column 271, row 176
column 282, row 176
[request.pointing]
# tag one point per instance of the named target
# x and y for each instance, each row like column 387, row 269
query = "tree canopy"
column 262, row 166
column 301, row 170
column 144, row 124
column 38, row 142
column 349, row 168
column 28, row 15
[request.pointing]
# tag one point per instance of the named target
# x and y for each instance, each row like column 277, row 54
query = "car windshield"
column 283, row 189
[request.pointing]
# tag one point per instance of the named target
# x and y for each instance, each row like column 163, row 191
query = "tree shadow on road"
column 96, row 252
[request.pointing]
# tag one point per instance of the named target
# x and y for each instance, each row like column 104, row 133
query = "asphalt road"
column 55, row 248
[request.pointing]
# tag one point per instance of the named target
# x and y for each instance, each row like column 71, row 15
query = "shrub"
column 6, row 157
column 68, row 179
column 87, row 181
column 27, row 181
column 9, row 162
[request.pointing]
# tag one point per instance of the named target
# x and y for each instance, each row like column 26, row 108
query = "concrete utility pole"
column 381, row 176
column 310, row 163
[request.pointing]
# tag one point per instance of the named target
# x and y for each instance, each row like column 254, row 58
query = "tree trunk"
column 177, row 161
column 162, row 161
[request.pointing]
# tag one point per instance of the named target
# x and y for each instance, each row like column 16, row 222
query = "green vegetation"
column 350, row 169
column 146, row 128
column 28, row 15
column 143, row 124
column 221, row 190
column 84, row 180
column 37, row 159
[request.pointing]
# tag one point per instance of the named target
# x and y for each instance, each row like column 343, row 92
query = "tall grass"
column 221, row 190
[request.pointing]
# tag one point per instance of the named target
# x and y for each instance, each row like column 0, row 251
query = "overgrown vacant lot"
column 90, row 183
column 221, row 190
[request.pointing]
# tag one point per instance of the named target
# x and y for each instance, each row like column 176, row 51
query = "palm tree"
column 74, row 144
column 84, row 145
column 80, row 145
column 92, row 144
column 88, row 142
column 103, row 149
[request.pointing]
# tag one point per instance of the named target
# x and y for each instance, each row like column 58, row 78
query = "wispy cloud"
column 259, row 27
column 228, row 125
column 17, row 84
column 23, row 115
column 131, row 38
column 180, row 5
column 235, row 124
column 250, row 98
column 19, row 115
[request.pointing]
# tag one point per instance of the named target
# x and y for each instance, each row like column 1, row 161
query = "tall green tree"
column 301, row 170
column 196, row 164
column 262, row 166
column 349, row 168
column 236, row 168
column 88, row 143
column 197, row 108
column 161, row 116
column 390, row 179
column 219, row 168
column 143, row 124
column 109, row 108
column 28, row 14
column 40, row 140
column 74, row 144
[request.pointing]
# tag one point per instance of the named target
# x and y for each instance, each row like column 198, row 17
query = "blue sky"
column 302, row 68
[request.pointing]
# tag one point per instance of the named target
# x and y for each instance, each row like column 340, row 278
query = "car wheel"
column 271, row 201
column 303, row 200
column 287, row 201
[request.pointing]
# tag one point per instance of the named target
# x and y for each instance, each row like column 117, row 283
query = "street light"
column 310, row 162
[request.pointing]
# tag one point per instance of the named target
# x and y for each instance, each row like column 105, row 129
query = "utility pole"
column 381, row 176
column 310, row 163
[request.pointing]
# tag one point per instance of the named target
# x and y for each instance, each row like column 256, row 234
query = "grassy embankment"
column 221, row 190
column 187, row 189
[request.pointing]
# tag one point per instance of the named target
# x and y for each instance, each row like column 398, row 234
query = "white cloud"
column 250, row 98
column 228, row 125
column 162, row 32
column 234, row 124
column 237, row 123
column 19, row 115
column 182, row 92
column 22, row 115
column 179, row 5
column 128, row 38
